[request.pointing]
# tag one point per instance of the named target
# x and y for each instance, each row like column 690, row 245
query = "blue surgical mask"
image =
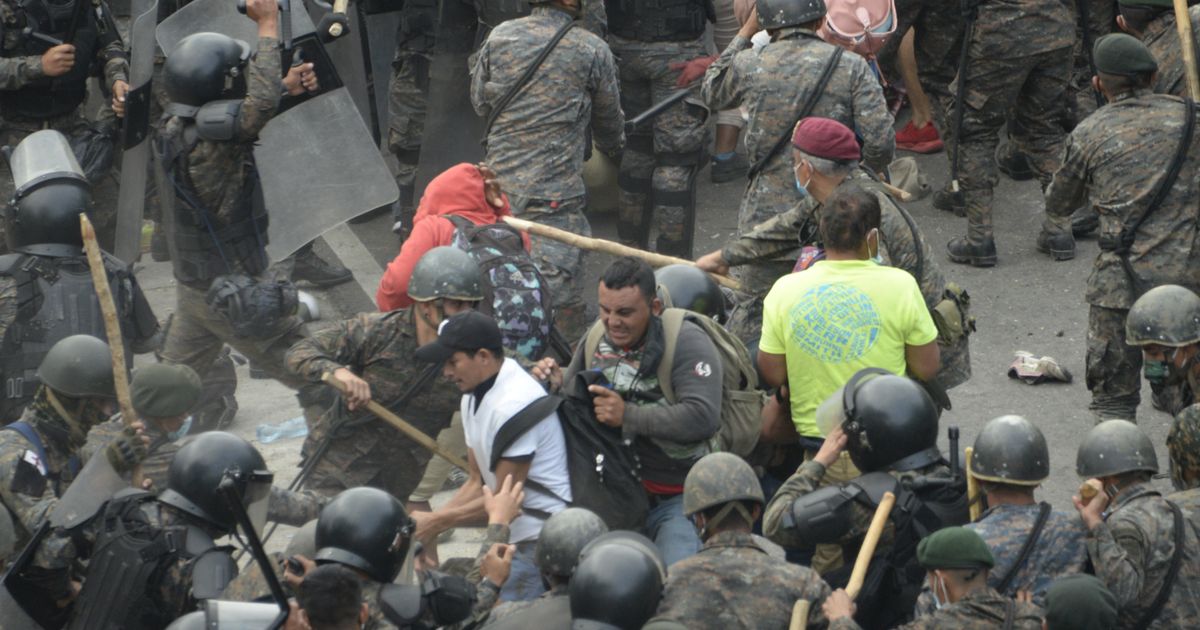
column 801, row 188
column 177, row 434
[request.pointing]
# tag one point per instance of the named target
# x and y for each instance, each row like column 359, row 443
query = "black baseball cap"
column 465, row 332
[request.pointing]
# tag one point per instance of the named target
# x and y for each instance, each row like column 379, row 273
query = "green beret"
column 1124, row 55
column 164, row 391
column 1080, row 601
column 954, row 548
column 1162, row 4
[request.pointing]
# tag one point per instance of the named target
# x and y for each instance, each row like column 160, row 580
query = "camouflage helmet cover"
column 717, row 479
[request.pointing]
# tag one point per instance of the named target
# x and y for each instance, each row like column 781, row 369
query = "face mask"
column 1155, row 371
column 177, row 434
column 801, row 188
column 938, row 602
column 878, row 257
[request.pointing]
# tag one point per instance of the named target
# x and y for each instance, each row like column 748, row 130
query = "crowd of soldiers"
column 127, row 505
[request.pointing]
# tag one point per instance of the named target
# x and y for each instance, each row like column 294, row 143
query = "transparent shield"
column 42, row 156
column 95, row 485
column 220, row 16
column 131, row 199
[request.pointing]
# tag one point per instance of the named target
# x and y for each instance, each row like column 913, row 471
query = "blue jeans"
column 671, row 530
column 524, row 579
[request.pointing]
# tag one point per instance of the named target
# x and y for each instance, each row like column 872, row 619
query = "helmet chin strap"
column 441, row 312
column 77, row 432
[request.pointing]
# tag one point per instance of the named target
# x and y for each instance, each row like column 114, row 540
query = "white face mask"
column 938, row 601
column 878, row 257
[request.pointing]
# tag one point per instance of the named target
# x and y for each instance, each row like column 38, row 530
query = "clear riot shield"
column 450, row 118
column 319, row 168
column 90, row 490
column 131, row 200
column 219, row 16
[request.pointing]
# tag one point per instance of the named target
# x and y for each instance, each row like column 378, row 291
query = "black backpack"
column 514, row 292
column 603, row 469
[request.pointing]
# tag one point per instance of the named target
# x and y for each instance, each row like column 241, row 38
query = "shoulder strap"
column 459, row 223
column 30, row 436
column 1133, row 223
column 672, row 321
column 1026, row 549
column 521, row 423
column 592, row 342
column 810, row 102
column 1160, row 600
column 516, row 88
column 1010, row 613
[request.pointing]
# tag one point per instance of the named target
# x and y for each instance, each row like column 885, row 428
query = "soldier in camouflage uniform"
column 958, row 564
column 1011, row 459
column 1115, row 161
column 901, row 245
column 541, row 167
column 1153, row 22
column 937, row 35
column 1100, row 22
column 1133, row 531
column 732, row 582
column 772, row 84
column 1020, row 60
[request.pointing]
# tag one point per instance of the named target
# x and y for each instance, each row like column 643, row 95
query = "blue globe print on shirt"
column 834, row 323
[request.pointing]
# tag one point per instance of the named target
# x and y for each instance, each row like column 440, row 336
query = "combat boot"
column 1013, row 163
column 963, row 251
column 317, row 271
column 950, row 201
column 1058, row 246
column 1084, row 221
column 723, row 171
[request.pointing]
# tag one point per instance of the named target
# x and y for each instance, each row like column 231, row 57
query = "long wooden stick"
column 609, row 247
column 1183, row 24
column 869, row 543
column 112, row 328
column 800, row 615
column 412, row 432
column 976, row 507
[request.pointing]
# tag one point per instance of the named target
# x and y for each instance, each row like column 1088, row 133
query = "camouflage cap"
column 1124, row 55
column 717, row 479
column 1183, row 448
column 954, row 548
column 1080, row 602
column 163, row 390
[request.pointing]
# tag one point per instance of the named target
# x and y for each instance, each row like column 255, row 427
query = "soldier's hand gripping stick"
column 975, row 502
column 870, row 541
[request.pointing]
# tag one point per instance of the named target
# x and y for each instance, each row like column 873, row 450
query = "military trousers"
column 408, row 96
column 659, row 165
column 1114, row 368
column 560, row 264
column 937, row 37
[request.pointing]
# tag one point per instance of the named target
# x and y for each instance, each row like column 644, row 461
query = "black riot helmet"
column 79, row 366
column 205, row 67
column 775, row 14
column 49, row 192
column 890, row 421
column 686, row 286
column 563, row 537
column 1012, row 450
column 618, row 584
column 199, row 468
column 365, row 528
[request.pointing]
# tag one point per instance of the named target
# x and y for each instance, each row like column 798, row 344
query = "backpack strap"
column 1160, row 600
column 1026, row 549
column 1010, row 612
column 520, row 84
column 810, row 101
column 591, row 343
column 27, row 431
column 672, row 321
column 520, row 424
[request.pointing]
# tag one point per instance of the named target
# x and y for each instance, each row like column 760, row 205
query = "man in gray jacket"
column 668, row 435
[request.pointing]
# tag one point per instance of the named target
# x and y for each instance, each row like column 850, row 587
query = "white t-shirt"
column 512, row 391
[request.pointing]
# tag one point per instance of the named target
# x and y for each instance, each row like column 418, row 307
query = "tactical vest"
column 51, row 97
column 657, row 20
column 132, row 556
column 429, row 26
column 55, row 299
column 205, row 249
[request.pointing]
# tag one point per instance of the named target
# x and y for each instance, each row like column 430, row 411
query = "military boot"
column 672, row 247
column 403, row 213
column 311, row 268
column 1084, row 221
column 1013, row 163
column 950, row 201
column 980, row 254
column 1058, row 246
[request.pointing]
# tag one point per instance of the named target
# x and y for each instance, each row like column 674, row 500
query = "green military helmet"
column 1168, row 315
column 775, row 14
column 717, row 479
column 563, row 537
column 1011, row 449
column 79, row 366
column 686, row 286
column 446, row 273
column 1114, row 447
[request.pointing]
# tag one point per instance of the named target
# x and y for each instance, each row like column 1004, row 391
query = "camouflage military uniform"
column 1131, row 551
column 937, row 35
column 1113, row 162
column 772, row 84
column 1101, row 16
column 732, row 583
column 541, row 165
column 902, row 245
column 379, row 348
column 1019, row 59
column 1162, row 39
column 1059, row 551
column 981, row 610
column 1183, row 445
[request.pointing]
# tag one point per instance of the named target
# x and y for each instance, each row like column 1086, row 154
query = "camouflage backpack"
column 514, row 292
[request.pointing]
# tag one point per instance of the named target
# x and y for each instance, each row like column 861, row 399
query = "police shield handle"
column 1183, row 23
column 800, row 615
column 609, row 247
column 869, row 543
column 412, row 432
column 975, row 506
column 112, row 328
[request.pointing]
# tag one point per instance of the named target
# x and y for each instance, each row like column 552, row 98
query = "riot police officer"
column 685, row 286
column 889, row 426
column 1165, row 323
column 46, row 289
column 618, row 583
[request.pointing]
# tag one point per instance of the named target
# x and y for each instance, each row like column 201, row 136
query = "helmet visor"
column 256, row 498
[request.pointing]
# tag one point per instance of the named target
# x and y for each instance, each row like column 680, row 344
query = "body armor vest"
column 657, row 20
column 56, row 299
column 51, row 97
column 430, row 26
column 205, row 249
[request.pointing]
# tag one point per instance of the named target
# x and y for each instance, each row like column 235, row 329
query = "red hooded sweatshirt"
column 457, row 191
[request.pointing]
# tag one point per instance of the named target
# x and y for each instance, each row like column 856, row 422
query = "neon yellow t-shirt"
column 836, row 318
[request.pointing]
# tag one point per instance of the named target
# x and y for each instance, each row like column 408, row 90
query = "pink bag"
column 861, row 26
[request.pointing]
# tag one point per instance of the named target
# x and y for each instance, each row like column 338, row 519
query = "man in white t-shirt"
column 494, row 390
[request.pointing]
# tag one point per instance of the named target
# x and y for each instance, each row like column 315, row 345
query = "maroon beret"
column 826, row 138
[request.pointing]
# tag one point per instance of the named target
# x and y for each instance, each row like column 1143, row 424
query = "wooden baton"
column 799, row 615
column 609, row 247
column 869, row 543
column 404, row 427
column 976, row 505
column 1183, row 24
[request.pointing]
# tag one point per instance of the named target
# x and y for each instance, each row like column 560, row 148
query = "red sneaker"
column 919, row 140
